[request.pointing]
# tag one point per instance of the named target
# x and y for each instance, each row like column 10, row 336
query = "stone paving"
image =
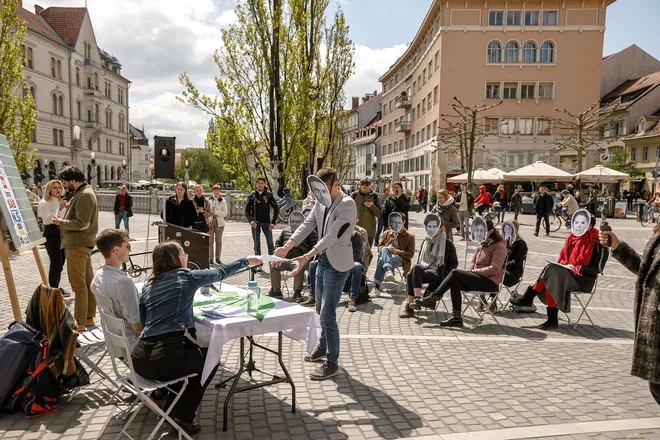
column 407, row 378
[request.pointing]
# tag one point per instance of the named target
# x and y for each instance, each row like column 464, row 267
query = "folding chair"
column 470, row 248
column 471, row 295
column 513, row 289
column 118, row 348
column 590, row 295
column 88, row 341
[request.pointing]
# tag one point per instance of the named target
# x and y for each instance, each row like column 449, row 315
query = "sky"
column 156, row 40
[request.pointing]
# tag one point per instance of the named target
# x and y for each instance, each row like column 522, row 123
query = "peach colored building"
column 535, row 56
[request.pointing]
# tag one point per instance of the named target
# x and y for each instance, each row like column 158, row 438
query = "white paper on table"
column 269, row 258
column 559, row 264
column 221, row 311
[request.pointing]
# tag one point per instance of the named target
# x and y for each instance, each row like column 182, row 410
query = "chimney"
column 38, row 9
column 375, row 92
column 356, row 102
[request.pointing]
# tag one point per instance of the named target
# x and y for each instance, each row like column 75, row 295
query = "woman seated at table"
column 163, row 352
column 580, row 258
column 483, row 274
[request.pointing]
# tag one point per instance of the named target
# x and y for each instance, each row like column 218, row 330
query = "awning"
column 538, row 172
column 600, row 173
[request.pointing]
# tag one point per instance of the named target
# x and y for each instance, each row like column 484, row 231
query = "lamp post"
column 93, row 173
column 374, row 171
column 123, row 170
column 75, row 148
column 187, row 177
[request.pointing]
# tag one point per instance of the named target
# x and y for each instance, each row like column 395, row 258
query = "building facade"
column 522, row 53
column 75, row 83
column 361, row 132
column 140, row 154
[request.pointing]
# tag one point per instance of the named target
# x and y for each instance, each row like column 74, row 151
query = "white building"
column 139, row 154
column 74, row 83
column 362, row 133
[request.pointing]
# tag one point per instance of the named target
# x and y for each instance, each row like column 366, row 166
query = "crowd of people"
column 330, row 239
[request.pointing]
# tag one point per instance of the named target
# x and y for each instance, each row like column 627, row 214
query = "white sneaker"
column 390, row 276
column 375, row 293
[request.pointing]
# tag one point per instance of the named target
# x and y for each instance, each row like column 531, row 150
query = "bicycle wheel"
column 555, row 222
column 193, row 266
column 645, row 219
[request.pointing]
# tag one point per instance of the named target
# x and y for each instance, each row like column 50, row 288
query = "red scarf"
column 577, row 250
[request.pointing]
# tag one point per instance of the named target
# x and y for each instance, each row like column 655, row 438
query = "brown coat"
column 646, row 352
column 406, row 247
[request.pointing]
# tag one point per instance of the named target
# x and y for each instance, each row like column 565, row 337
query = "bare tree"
column 581, row 131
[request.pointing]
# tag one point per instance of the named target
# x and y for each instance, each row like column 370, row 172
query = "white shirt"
column 116, row 293
column 464, row 201
column 220, row 208
column 47, row 210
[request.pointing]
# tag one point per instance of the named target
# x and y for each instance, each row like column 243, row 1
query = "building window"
column 78, row 76
column 96, row 81
column 54, row 104
column 657, row 152
column 508, row 125
column 510, row 91
column 494, row 52
column 29, row 57
column 645, row 154
column 547, row 53
column 491, row 126
column 434, row 129
column 531, row 18
column 496, row 18
column 435, row 95
column 543, row 128
column 108, row 146
column 529, row 52
column 429, row 69
column 549, row 18
column 419, row 82
column 526, row 126
column 79, row 107
column 633, row 154
column 107, row 89
column 52, row 68
column 389, row 127
column 492, row 90
column 546, row 91
column 428, row 100
column 428, row 133
column 510, row 52
column 617, row 128
column 120, row 95
column 54, row 136
column 414, row 88
column 60, row 105
column 33, row 92
column 513, row 18
column 59, row 69
column 390, row 109
column 419, row 114
column 96, row 113
column 424, row 106
column 436, row 57
column 527, row 91
column 61, row 136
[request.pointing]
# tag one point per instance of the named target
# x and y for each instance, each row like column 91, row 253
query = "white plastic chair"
column 88, row 341
column 119, row 348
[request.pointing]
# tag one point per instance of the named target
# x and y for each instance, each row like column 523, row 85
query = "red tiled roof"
column 65, row 21
column 35, row 24
column 631, row 86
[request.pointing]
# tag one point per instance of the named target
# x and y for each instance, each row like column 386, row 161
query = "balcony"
column 93, row 125
column 402, row 101
column 94, row 92
column 402, row 126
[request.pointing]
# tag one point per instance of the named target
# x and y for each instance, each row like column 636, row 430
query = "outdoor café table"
column 274, row 316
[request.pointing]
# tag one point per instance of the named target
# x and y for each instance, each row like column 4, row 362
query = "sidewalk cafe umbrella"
column 600, row 173
column 395, row 173
column 479, row 177
column 498, row 172
column 538, row 172
column 435, row 177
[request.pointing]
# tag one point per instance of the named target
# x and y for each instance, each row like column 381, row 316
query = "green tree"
column 204, row 166
column 18, row 117
column 620, row 161
column 282, row 71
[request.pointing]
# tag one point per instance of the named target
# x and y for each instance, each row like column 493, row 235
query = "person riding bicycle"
column 568, row 205
column 482, row 202
column 653, row 204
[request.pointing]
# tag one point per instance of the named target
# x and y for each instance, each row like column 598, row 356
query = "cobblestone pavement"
column 407, row 378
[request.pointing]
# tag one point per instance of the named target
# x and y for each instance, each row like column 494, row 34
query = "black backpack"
column 18, row 347
column 363, row 292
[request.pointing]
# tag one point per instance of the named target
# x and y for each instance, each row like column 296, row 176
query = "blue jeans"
column 381, row 225
column 385, row 258
column 356, row 277
column 546, row 220
column 516, row 212
column 370, row 241
column 329, row 285
column 256, row 237
column 122, row 215
column 500, row 214
column 312, row 277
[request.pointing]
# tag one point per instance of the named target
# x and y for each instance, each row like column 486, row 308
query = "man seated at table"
column 115, row 292
column 396, row 248
column 295, row 220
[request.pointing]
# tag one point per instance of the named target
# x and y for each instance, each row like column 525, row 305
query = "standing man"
column 396, row 202
column 216, row 223
column 420, row 199
column 516, row 203
column 334, row 214
column 543, row 205
column 368, row 208
column 123, row 207
column 78, row 229
column 382, row 222
column 257, row 211
column 465, row 205
column 592, row 200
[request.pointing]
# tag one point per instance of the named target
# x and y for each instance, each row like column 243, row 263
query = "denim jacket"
column 166, row 301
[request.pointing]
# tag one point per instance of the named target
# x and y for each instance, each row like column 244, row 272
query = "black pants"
column 463, row 280
column 419, row 275
column 56, row 256
column 166, row 357
column 655, row 391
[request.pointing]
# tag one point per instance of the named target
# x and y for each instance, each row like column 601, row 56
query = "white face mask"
column 320, row 191
column 580, row 222
column 508, row 232
column 478, row 230
column 395, row 222
column 432, row 223
column 296, row 219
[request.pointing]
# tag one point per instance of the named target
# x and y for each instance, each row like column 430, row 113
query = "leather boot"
column 527, row 299
column 553, row 319
column 455, row 321
column 429, row 301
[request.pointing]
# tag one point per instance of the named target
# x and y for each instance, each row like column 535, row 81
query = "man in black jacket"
column 257, row 211
column 295, row 219
column 398, row 201
column 543, row 205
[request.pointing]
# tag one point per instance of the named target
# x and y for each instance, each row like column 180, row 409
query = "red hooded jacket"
column 483, row 198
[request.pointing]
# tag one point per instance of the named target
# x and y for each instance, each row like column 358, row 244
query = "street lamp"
column 93, row 173
column 187, row 176
column 374, row 168
column 75, row 148
column 123, row 170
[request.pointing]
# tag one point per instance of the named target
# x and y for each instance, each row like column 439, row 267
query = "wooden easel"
column 9, row 277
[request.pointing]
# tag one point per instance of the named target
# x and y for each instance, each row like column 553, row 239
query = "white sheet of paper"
column 558, row 264
column 221, row 311
column 269, row 258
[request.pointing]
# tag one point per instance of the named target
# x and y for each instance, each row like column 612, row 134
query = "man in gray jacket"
column 334, row 215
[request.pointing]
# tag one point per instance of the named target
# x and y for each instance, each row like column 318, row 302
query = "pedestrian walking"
column 368, row 208
column 257, row 211
column 420, row 199
column 592, row 200
column 217, row 223
column 465, row 202
column 123, row 208
column 501, row 198
column 426, row 199
column 50, row 206
column 516, row 203
column 543, row 205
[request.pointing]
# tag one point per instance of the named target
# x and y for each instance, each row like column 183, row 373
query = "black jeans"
column 55, row 254
column 463, row 280
column 655, row 391
column 166, row 357
column 546, row 222
column 419, row 275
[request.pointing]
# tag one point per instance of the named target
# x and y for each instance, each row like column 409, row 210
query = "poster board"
column 620, row 209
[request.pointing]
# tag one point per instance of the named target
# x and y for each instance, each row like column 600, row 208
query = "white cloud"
column 370, row 64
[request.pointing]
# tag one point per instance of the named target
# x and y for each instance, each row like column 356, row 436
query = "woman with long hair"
column 448, row 213
column 500, row 197
column 180, row 211
column 163, row 352
column 53, row 204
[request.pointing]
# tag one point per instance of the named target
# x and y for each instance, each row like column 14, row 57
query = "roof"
column 38, row 25
column 653, row 131
column 66, row 22
column 139, row 135
column 632, row 90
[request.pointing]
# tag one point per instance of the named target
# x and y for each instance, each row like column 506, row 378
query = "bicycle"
column 491, row 214
column 557, row 219
column 650, row 216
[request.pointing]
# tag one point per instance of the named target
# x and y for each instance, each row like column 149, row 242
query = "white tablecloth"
column 293, row 320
